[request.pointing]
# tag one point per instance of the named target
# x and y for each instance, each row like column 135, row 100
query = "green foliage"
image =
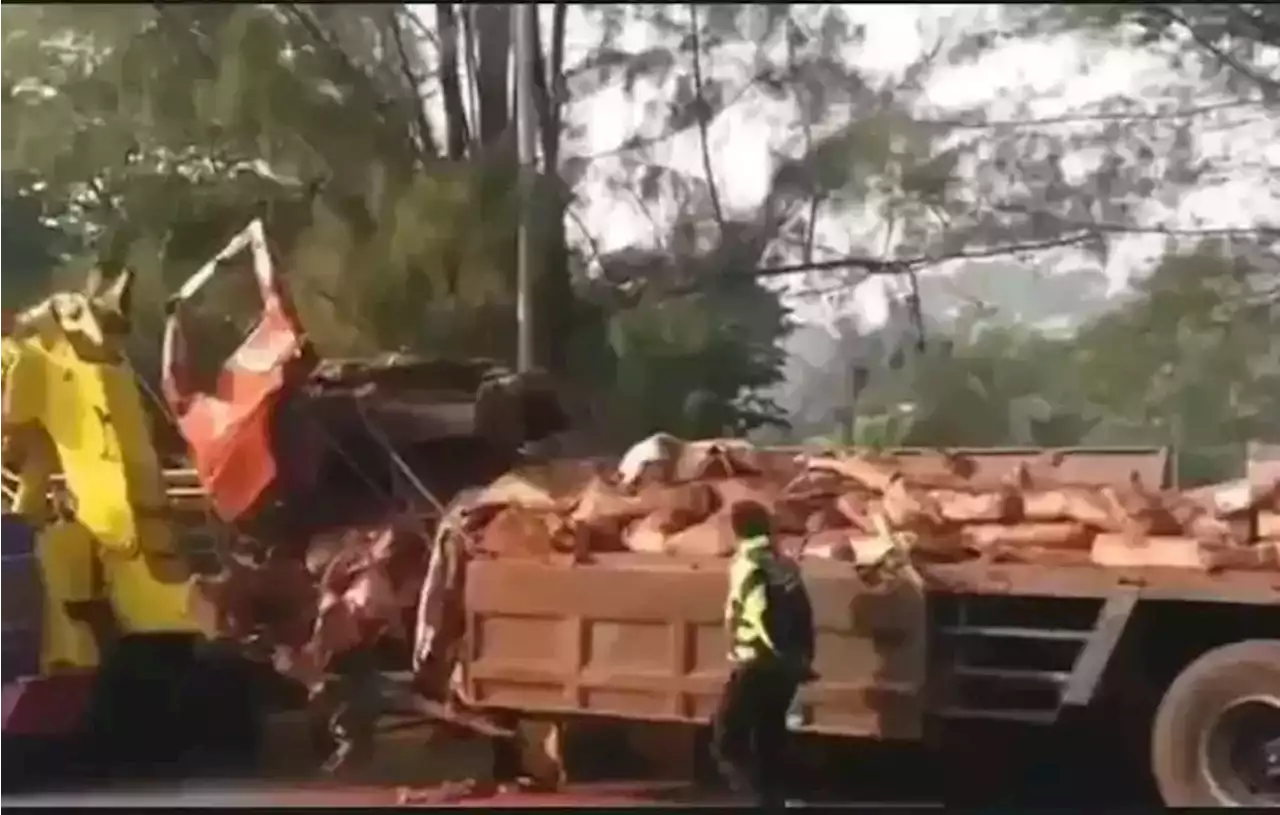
column 716, row 347
column 164, row 129
column 1229, row 43
column 148, row 135
column 1195, row 359
column 29, row 249
column 1190, row 360
column 881, row 431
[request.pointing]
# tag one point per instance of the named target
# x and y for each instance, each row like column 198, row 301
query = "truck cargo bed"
column 641, row 637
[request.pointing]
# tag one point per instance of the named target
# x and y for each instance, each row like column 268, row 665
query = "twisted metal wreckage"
column 332, row 473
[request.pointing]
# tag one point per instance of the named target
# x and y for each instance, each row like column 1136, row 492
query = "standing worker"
column 771, row 641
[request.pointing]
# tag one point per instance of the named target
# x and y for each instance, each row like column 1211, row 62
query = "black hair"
column 749, row 519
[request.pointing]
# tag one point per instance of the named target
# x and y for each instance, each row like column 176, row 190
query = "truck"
column 1180, row 664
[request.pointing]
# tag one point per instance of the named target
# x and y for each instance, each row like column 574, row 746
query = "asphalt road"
column 999, row 769
column 254, row 794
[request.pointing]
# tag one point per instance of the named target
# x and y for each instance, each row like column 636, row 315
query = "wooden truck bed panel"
column 640, row 636
column 1098, row 582
column 637, row 638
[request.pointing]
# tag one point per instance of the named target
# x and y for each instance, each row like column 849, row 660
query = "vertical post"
column 523, row 21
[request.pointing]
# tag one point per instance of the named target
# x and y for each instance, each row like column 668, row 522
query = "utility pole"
column 522, row 21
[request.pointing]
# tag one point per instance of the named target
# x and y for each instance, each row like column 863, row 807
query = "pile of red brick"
column 838, row 505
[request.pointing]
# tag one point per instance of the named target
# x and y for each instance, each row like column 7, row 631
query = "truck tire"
column 1211, row 731
column 132, row 724
column 220, row 703
column 167, row 703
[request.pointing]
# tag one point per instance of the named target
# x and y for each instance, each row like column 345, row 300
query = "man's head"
column 749, row 519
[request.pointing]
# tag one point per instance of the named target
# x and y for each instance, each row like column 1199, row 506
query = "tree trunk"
column 556, row 306
column 493, row 30
column 421, row 124
column 455, row 113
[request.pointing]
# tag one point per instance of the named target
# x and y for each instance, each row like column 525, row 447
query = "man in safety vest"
column 771, row 642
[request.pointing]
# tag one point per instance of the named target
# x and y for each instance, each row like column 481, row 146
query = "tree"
column 840, row 149
column 149, row 134
column 1178, row 379
column 1193, row 360
column 30, row 250
column 1216, row 80
column 1225, row 43
column 378, row 148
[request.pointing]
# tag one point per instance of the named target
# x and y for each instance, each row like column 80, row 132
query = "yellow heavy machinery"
column 122, row 667
column 103, row 651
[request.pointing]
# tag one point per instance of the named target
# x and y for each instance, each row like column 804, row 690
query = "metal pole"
column 522, row 21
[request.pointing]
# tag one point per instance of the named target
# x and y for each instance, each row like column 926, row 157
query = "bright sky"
column 1065, row 75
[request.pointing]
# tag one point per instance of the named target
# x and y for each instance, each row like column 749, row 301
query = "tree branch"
column 454, row 114
column 366, row 88
column 424, row 30
column 881, row 266
column 703, row 116
column 643, row 142
column 1268, row 230
column 544, row 102
column 873, row 266
column 594, row 245
column 1268, row 85
column 1085, row 118
column 559, row 21
column 469, row 37
column 426, row 142
column 806, row 124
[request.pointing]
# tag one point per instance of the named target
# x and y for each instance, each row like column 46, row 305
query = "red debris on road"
column 620, row 794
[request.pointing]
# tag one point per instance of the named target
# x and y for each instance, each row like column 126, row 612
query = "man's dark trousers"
column 749, row 731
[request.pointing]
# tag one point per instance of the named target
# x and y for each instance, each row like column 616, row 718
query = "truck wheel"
column 539, row 744
column 221, row 707
column 1213, row 739
column 133, row 724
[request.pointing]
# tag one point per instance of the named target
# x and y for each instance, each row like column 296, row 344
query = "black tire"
column 1194, row 706
column 134, row 723
column 172, row 704
column 39, row 763
column 222, row 707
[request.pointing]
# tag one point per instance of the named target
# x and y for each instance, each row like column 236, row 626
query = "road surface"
column 255, row 794
column 1028, row 773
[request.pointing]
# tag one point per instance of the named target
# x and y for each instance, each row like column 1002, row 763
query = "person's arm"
column 748, row 600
